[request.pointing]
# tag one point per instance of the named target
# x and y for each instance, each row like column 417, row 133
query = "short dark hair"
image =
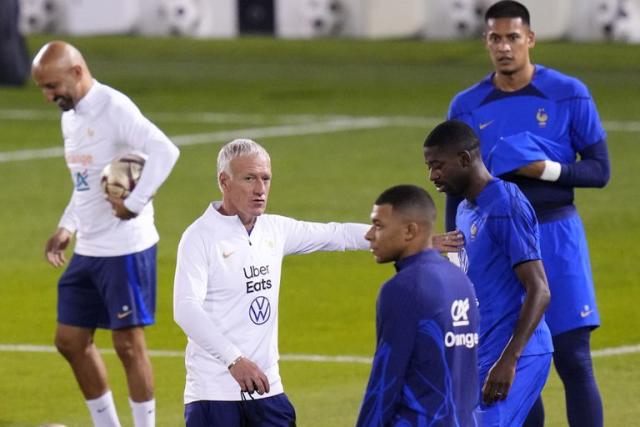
column 406, row 197
column 508, row 9
column 454, row 135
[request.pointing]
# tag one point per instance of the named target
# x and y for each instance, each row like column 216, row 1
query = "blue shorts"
column 275, row 411
column 109, row 292
column 566, row 261
column 531, row 375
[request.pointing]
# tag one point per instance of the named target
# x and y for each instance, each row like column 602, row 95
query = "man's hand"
column 54, row 249
column 532, row 170
column 499, row 379
column 119, row 209
column 249, row 376
column 453, row 241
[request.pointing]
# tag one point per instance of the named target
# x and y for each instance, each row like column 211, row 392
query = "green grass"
column 327, row 300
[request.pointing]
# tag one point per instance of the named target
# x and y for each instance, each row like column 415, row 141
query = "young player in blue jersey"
column 425, row 366
column 534, row 122
column 501, row 256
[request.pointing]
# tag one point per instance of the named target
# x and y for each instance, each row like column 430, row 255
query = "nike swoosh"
column 584, row 314
column 124, row 314
column 484, row 125
column 227, row 254
column 101, row 410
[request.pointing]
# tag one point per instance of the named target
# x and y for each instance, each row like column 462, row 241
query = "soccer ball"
column 182, row 17
column 120, row 177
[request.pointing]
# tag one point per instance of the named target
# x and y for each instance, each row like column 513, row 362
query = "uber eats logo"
column 256, row 280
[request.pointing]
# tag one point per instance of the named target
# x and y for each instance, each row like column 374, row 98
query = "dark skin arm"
column 502, row 373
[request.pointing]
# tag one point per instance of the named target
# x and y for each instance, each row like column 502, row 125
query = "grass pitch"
column 191, row 87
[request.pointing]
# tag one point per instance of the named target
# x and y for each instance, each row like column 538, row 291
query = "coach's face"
column 508, row 41
column 448, row 170
column 387, row 235
column 58, row 85
column 246, row 189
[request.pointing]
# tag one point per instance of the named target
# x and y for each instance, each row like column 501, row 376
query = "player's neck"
column 479, row 180
column 247, row 220
column 514, row 81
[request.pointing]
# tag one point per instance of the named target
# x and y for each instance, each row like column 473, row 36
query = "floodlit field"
column 343, row 120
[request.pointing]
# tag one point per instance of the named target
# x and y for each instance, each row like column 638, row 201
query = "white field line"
column 319, row 358
column 303, row 125
column 631, row 126
column 336, row 125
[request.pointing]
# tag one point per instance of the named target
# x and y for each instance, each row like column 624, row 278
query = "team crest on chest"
column 473, row 231
column 542, row 117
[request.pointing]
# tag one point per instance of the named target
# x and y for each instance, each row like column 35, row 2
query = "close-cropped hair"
column 508, row 9
column 237, row 148
column 408, row 198
column 453, row 135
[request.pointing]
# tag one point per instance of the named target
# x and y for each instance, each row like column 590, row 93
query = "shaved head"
column 58, row 55
column 62, row 73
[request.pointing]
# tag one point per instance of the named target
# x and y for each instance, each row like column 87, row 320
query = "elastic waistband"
column 555, row 214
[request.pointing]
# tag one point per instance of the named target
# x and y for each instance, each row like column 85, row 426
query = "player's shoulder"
column 473, row 95
column 503, row 196
column 432, row 270
column 116, row 100
column 559, row 85
column 207, row 227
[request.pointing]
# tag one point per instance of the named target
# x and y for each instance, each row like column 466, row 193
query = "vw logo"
column 260, row 310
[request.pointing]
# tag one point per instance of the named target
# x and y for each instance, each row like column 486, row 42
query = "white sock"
column 144, row 413
column 103, row 411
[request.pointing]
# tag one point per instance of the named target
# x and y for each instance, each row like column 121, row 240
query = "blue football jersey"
column 500, row 231
column 425, row 368
column 553, row 106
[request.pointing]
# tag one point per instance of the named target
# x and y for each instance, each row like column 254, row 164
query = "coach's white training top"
column 226, row 291
column 106, row 124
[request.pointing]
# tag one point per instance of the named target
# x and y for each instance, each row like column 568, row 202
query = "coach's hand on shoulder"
column 119, row 209
column 499, row 380
column 54, row 250
column 453, row 241
column 249, row 376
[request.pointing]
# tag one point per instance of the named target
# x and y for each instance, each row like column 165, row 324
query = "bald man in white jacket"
column 110, row 282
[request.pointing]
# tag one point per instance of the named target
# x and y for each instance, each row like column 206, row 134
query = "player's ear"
column 77, row 71
column 223, row 179
column 411, row 230
column 531, row 39
column 464, row 157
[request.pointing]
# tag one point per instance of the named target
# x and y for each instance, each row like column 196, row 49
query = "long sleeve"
column 68, row 220
column 396, row 331
column 592, row 170
column 305, row 237
column 162, row 154
column 190, row 289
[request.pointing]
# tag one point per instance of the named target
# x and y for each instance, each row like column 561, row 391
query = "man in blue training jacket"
column 425, row 366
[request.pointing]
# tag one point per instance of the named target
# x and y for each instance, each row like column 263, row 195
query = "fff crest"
column 542, row 117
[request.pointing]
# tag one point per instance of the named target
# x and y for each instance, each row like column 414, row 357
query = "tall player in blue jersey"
column 501, row 256
column 534, row 123
column 424, row 370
